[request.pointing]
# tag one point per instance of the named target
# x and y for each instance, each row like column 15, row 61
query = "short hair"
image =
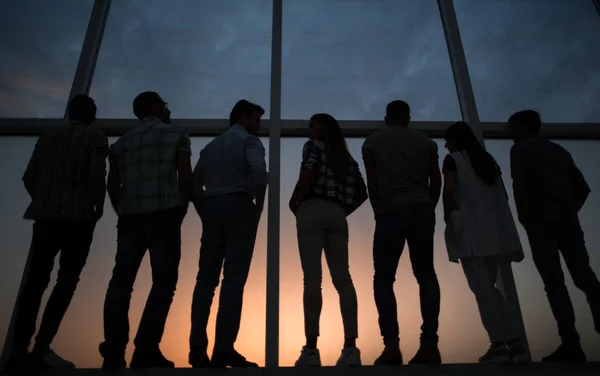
column 530, row 119
column 143, row 103
column 246, row 107
column 82, row 108
column 397, row 111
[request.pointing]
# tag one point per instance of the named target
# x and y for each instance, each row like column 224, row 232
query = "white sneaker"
column 55, row 361
column 350, row 357
column 309, row 358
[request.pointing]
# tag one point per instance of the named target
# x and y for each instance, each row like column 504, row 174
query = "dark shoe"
column 47, row 360
column 15, row 365
column 391, row 356
column 516, row 351
column 198, row 359
column 150, row 358
column 230, row 359
column 568, row 353
column 497, row 353
column 113, row 360
column 427, row 355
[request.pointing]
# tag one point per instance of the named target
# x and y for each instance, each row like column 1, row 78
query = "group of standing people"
column 151, row 183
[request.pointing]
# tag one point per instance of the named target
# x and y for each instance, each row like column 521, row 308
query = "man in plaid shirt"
column 149, row 185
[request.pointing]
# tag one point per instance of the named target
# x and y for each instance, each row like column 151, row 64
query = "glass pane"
column 85, row 312
column 201, row 56
column 351, row 57
column 40, row 44
column 533, row 54
column 462, row 336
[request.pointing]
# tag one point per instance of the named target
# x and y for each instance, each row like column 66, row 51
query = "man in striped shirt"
column 65, row 178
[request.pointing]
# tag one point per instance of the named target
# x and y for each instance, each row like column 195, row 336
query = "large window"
column 351, row 57
column 202, row 56
column 40, row 44
column 85, row 312
column 533, row 54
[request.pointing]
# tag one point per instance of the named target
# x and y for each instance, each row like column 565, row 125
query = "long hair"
column 338, row 156
column 484, row 164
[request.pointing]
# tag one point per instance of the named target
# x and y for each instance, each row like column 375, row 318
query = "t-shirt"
column 402, row 158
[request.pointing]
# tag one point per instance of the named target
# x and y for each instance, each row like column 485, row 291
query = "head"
column 246, row 114
column 149, row 103
column 459, row 136
column 325, row 128
column 397, row 113
column 524, row 124
column 83, row 109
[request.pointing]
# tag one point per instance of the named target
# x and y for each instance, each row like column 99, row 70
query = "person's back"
column 402, row 158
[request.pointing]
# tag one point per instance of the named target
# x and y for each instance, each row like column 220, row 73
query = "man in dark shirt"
column 549, row 192
column 65, row 178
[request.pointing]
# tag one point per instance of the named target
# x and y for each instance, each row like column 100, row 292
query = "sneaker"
column 150, row 358
column 427, row 355
column 350, row 357
column 230, row 359
column 113, row 360
column 391, row 356
column 15, row 365
column 50, row 360
column 308, row 358
column 517, row 352
column 568, row 353
column 199, row 359
column 497, row 353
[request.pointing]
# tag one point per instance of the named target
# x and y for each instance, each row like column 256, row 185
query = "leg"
column 388, row 244
column 543, row 239
column 420, row 245
column 336, row 254
column 576, row 257
column 131, row 247
column 76, row 241
column 44, row 248
column 163, row 234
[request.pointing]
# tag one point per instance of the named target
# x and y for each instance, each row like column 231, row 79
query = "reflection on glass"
column 533, row 54
column 40, row 43
column 350, row 58
column 201, row 56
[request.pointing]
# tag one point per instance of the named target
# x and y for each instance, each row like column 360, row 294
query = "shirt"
column 546, row 175
column 231, row 163
column 350, row 192
column 60, row 171
column 146, row 159
column 402, row 158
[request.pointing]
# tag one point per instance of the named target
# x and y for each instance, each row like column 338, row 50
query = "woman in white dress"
column 481, row 235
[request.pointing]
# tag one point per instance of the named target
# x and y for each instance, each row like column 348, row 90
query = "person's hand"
column 258, row 211
column 184, row 211
column 98, row 214
column 293, row 207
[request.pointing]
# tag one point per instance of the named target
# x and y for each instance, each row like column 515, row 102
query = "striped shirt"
column 146, row 158
column 351, row 192
column 482, row 224
column 60, row 171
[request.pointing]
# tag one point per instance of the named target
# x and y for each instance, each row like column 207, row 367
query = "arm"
column 449, row 194
column 184, row 172
column 580, row 186
column 113, row 185
column 369, row 161
column 435, row 176
column 308, row 174
column 98, row 154
column 255, row 155
column 519, row 173
column 30, row 175
column 198, row 187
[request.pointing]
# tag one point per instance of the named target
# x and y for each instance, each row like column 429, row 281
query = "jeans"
column 415, row 224
column 228, row 235
column 73, row 240
column 548, row 241
column 160, row 234
column 322, row 225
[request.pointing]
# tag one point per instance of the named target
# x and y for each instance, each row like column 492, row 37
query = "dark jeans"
column 416, row 225
column 228, row 236
column 73, row 239
column 160, row 234
column 548, row 241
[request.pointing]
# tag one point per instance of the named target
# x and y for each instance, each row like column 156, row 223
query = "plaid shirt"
column 59, row 174
column 146, row 159
column 351, row 192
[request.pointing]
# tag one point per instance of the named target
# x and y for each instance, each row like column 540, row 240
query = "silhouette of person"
column 481, row 234
column 549, row 192
column 404, row 181
column 230, row 181
column 65, row 178
column 149, row 185
column 330, row 187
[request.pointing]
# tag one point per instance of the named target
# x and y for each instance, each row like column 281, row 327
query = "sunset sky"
column 345, row 57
